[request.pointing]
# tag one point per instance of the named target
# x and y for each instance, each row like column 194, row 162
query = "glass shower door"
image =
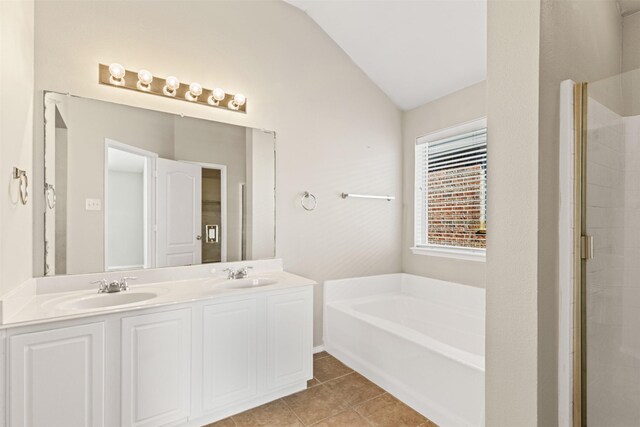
column 611, row 275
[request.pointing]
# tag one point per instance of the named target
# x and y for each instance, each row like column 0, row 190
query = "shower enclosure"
column 606, row 252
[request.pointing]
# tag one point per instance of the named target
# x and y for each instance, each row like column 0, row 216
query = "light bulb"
column 216, row 96
column 237, row 101
column 171, row 85
column 195, row 90
column 144, row 80
column 117, row 72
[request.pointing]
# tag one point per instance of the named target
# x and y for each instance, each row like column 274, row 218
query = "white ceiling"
column 414, row 50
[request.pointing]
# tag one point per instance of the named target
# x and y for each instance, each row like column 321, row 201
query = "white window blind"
column 451, row 190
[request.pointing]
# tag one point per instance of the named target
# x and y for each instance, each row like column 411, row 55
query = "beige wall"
column 630, row 80
column 579, row 40
column 631, row 42
column 16, row 134
column 336, row 130
column 459, row 107
column 512, row 224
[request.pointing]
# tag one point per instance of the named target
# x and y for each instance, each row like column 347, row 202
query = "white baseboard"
column 318, row 349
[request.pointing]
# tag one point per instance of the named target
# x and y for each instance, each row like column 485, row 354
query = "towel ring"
column 50, row 192
column 304, row 201
column 24, row 184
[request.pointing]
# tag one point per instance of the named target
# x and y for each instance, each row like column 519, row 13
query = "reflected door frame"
column 223, row 202
column 150, row 203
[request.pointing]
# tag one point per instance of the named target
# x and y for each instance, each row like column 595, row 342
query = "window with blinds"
column 451, row 188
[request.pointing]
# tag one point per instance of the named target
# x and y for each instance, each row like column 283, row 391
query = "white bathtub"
column 421, row 339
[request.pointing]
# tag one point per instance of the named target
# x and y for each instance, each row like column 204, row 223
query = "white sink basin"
column 249, row 282
column 94, row 301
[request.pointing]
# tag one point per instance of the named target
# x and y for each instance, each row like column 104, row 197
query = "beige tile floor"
column 336, row 397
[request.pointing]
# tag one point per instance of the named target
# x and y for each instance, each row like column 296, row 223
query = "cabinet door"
column 156, row 368
column 230, row 353
column 57, row 377
column 289, row 338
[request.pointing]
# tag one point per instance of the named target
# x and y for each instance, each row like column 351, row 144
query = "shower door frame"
column 582, row 251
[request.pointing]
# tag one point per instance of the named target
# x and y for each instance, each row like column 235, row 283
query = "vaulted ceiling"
column 414, row 50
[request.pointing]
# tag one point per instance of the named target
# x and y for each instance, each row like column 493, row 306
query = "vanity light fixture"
column 216, row 96
column 238, row 101
column 144, row 80
column 116, row 74
column 195, row 90
column 171, row 87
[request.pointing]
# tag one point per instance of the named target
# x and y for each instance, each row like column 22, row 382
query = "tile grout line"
column 366, row 420
column 292, row 411
column 322, row 357
column 341, row 376
column 369, row 400
column 326, row 418
column 350, row 407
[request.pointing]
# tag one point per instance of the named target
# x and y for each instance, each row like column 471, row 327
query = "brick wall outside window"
column 455, row 207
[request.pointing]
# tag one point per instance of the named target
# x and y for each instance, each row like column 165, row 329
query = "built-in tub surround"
column 419, row 338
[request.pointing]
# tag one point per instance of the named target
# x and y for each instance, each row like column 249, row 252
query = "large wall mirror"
column 128, row 188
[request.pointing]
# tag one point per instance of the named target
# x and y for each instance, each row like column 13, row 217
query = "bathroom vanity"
column 124, row 191
column 174, row 201
column 194, row 352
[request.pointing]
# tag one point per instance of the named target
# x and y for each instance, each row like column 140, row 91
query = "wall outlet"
column 93, row 204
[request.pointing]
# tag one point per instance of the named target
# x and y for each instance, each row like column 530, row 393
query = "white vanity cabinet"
column 56, row 377
column 289, row 344
column 230, row 353
column 184, row 364
column 155, row 379
column 255, row 349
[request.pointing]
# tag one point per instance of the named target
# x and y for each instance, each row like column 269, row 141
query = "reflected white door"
column 179, row 213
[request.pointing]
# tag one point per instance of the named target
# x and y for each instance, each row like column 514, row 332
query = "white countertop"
column 48, row 307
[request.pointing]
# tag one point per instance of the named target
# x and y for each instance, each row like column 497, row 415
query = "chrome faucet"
column 124, row 284
column 113, row 286
column 239, row 273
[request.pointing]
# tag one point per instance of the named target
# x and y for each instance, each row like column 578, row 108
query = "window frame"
column 458, row 252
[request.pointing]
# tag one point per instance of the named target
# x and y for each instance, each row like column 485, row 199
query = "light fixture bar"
column 162, row 87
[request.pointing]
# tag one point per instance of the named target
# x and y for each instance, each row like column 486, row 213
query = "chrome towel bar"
column 365, row 196
column 308, row 201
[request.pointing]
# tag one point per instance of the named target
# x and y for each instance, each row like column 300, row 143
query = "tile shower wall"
column 613, row 196
column 630, row 292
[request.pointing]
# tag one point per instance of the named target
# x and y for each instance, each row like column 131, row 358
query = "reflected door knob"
column 199, row 237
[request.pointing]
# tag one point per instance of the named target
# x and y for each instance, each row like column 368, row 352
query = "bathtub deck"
column 336, row 396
